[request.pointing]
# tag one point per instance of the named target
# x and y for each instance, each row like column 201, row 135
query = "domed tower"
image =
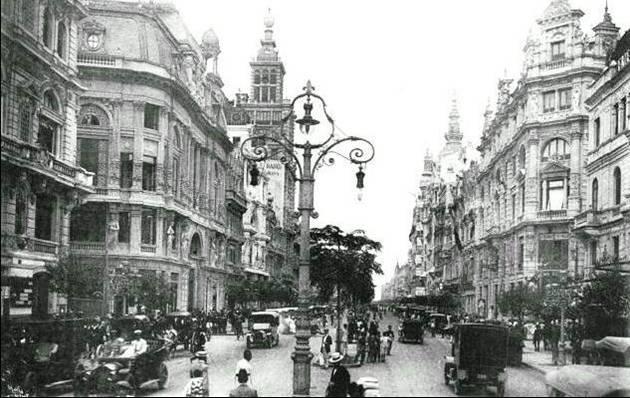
column 267, row 69
column 210, row 49
column 607, row 31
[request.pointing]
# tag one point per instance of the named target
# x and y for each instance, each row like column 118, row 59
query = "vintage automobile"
column 439, row 321
column 478, row 357
column 411, row 330
column 263, row 329
column 45, row 352
column 116, row 369
column 182, row 322
column 610, row 377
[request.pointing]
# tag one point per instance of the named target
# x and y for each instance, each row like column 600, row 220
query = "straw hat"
column 335, row 357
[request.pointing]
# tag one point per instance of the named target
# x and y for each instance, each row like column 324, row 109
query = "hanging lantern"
column 360, row 176
column 254, row 173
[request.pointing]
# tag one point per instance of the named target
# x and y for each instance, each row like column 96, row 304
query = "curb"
column 534, row 367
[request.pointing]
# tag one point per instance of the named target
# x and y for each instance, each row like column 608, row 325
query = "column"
column 574, row 200
column 531, row 179
column 138, row 144
column 113, row 164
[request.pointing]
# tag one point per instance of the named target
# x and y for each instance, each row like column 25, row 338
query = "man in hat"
column 327, row 341
column 339, row 377
column 243, row 389
column 139, row 344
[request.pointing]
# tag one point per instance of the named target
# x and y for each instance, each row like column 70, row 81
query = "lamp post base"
column 302, row 356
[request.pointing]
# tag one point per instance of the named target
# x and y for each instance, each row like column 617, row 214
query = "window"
column 126, row 170
column 236, row 141
column 622, row 116
column 557, row 50
column 521, row 253
column 521, row 157
column 617, row 185
column 593, row 252
column 148, row 173
column 595, row 195
column 27, row 15
column 483, row 194
column 554, row 253
column 556, row 149
column 26, row 121
column 555, row 198
column 124, row 225
column 44, row 209
column 549, row 101
column 565, row 98
column 88, row 155
column 615, row 119
column 47, row 32
column 596, row 132
column 195, row 246
column 513, row 207
column 90, row 119
column 175, row 176
column 148, row 226
column 88, row 223
column 522, row 198
column 151, row 116
column 50, row 101
column 61, row 40
column 47, row 135
column 615, row 242
column 265, row 84
column 21, row 212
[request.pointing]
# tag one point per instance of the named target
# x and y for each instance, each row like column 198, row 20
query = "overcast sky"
column 387, row 70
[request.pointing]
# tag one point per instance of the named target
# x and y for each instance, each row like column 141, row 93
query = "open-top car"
column 44, row 353
column 182, row 322
column 263, row 329
column 133, row 360
column 411, row 330
column 478, row 357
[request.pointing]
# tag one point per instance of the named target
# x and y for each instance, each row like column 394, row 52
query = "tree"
column 152, row 290
column 74, row 278
column 520, row 300
column 346, row 261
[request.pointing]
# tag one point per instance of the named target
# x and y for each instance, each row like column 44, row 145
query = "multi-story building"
column 153, row 131
column 269, row 224
column 531, row 177
column 603, row 227
column 41, row 182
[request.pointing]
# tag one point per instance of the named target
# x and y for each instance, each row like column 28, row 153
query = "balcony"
column 552, row 214
column 28, row 243
column 33, row 156
column 557, row 64
column 593, row 218
column 235, row 198
column 148, row 249
column 93, row 247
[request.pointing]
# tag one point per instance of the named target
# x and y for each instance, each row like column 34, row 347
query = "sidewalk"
column 540, row 361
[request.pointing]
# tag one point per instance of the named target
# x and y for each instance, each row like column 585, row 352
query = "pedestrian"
column 238, row 325
column 546, row 336
column 344, row 339
column 245, row 363
column 383, row 343
column 199, row 384
column 372, row 344
column 339, row 377
column 555, row 340
column 327, row 342
column 361, row 348
column 243, row 389
column 537, row 337
column 389, row 333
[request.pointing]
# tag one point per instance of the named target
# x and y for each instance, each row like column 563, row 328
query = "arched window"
column 61, row 40
column 617, row 185
column 47, row 30
column 556, row 149
column 595, row 194
column 91, row 115
column 195, row 246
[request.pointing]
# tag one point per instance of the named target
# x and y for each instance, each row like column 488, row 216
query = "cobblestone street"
column 412, row 370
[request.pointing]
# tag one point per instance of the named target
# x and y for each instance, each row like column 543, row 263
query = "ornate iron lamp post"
column 288, row 152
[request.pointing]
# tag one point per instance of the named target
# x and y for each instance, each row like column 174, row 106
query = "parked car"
column 263, row 329
column 610, row 377
column 478, row 357
column 116, row 370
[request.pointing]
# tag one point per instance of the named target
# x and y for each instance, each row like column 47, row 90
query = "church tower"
column 267, row 69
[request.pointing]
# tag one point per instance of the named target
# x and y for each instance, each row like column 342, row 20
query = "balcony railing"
column 96, row 60
column 552, row 214
column 42, row 246
column 148, row 249
column 29, row 243
column 557, row 64
column 87, row 246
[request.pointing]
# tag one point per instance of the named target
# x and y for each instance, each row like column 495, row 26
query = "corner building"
column 531, row 180
column 151, row 127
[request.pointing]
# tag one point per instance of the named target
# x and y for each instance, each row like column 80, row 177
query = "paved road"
column 412, row 370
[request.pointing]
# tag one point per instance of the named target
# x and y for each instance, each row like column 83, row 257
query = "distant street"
column 412, row 370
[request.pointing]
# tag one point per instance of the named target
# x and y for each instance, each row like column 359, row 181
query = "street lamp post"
column 303, row 171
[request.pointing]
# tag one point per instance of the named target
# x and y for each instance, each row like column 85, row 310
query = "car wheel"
column 162, row 376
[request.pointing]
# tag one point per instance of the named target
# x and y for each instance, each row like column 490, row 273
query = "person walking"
column 389, row 333
column 339, row 377
column 361, row 348
column 243, row 389
column 245, row 363
column 327, row 342
column 344, row 339
column 537, row 337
